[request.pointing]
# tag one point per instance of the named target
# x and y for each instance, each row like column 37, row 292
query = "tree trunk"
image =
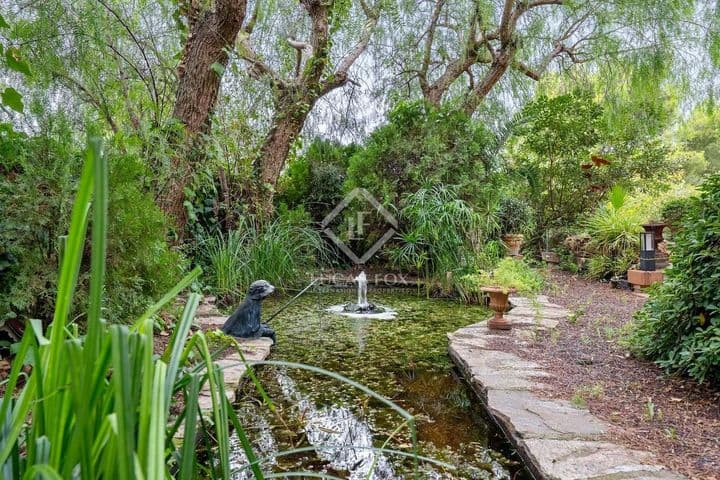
column 212, row 32
column 288, row 121
column 498, row 68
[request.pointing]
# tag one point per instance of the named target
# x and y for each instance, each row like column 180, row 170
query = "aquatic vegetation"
column 404, row 360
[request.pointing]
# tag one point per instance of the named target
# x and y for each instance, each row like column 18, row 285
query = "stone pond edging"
column 556, row 440
column 254, row 350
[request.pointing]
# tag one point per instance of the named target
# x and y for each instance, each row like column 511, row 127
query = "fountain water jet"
column 363, row 308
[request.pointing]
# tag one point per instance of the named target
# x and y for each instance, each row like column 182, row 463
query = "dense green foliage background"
column 680, row 324
column 38, row 181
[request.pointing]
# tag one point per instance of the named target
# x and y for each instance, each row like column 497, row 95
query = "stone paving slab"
column 253, row 349
column 575, row 460
column 533, row 417
column 531, row 320
column 214, row 321
column 556, row 440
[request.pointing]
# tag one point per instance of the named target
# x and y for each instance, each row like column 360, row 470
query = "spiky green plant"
column 438, row 234
column 279, row 252
column 614, row 231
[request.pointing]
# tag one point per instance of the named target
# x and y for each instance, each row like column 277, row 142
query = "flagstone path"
column 556, row 440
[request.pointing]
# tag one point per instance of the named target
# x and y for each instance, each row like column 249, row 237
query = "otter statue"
column 245, row 322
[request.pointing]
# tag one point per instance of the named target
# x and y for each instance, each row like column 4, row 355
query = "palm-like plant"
column 439, row 231
column 614, row 230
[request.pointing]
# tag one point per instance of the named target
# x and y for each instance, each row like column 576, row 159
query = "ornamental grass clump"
column 281, row 252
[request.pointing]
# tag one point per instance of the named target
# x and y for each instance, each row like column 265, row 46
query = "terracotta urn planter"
column 498, row 304
column 513, row 242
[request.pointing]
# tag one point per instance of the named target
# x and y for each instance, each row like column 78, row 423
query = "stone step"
column 216, row 321
column 233, row 368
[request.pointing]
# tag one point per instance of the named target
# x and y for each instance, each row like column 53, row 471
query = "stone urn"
column 498, row 304
column 513, row 242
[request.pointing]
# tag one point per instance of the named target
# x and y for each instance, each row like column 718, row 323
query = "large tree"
column 212, row 30
column 323, row 57
column 463, row 49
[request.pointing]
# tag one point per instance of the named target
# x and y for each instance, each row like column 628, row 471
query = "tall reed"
column 280, row 252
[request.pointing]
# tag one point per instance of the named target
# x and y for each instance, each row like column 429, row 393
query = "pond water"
column 335, row 426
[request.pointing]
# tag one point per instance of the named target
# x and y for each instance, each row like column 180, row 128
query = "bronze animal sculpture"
column 245, row 321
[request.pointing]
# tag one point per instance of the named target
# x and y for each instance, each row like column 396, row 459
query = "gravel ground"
column 673, row 417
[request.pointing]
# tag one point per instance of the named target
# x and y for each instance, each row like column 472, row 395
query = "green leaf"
column 12, row 99
column 3, row 23
column 218, row 68
column 99, row 246
column 15, row 62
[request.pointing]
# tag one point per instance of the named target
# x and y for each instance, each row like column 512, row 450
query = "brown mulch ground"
column 675, row 418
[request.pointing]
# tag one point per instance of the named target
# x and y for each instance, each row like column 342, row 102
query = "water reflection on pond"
column 335, row 426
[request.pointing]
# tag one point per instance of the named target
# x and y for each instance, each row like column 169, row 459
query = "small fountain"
column 363, row 308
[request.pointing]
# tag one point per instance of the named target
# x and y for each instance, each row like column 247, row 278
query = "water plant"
column 280, row 252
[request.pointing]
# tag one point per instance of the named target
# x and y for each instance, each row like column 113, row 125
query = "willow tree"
column 300, row 68
column 463, row 49
column 103, row 60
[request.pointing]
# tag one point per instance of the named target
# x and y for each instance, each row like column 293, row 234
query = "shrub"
column 517, row 274
column 38, row 176
column 599, row 267
column 141, row 265
column 418, row 147
column 514, row 216
column 509, row 274
column 679, row 326
column 314, row 180
column 614, row 231
column 674, row 211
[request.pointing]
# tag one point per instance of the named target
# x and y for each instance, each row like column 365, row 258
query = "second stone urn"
column 513, row 243
column 498, row 304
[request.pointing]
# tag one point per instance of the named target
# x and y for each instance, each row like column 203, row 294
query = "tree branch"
column 340, row 77
column 259, row 69
column 430, row 33
column 138, row 44
column 527, row 71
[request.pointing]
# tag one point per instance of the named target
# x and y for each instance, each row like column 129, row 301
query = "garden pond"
column 333, row 429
